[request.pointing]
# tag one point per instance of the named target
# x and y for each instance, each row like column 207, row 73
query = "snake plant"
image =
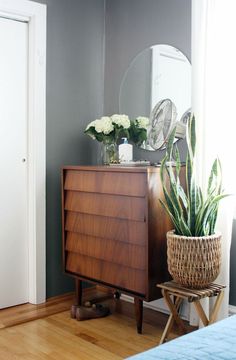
column 192, row 213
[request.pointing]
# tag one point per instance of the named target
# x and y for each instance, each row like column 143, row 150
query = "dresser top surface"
column 118, row 168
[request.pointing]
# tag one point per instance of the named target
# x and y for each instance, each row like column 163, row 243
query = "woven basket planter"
column 194, row 262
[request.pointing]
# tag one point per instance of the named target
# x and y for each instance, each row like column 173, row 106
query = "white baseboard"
column 159, row 305
column 232, row 309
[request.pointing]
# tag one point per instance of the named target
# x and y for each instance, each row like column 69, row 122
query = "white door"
column 13, row 162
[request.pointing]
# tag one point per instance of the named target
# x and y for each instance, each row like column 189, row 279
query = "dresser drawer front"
column 106, row 272
column 124, row 207
column 116, row 252
column 106, row 182
column 133, row 232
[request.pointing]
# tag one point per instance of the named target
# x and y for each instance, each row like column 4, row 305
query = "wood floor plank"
column 121, row 340
column 53, row 335
column 28, row 312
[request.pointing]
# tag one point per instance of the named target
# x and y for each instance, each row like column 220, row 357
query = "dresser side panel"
column 158, row 225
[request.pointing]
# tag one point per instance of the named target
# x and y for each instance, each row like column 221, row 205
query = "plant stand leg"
column 201, row 312
column 214, row 313
column 216, row 308
column 170, row 322
column 174, row 311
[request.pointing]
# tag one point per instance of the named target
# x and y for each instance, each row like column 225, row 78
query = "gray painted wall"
column 135, row 90
column 132, row 26
column 75, row 30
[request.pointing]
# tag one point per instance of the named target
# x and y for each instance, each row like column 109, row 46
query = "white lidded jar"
column 125, row 151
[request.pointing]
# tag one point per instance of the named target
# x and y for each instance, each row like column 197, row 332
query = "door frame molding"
column 35, row 15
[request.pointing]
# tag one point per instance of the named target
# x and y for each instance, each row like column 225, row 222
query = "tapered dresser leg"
column 78, row 291
column 78, row 297
column 138, row 314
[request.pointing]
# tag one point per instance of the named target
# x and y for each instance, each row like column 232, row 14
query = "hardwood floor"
column 28, row 312
column 57, row 336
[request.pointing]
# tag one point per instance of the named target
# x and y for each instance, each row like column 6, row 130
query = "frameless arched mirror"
column 157, row 84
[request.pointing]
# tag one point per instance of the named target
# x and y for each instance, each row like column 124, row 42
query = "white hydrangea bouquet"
column 138, row 130
column 109, row 129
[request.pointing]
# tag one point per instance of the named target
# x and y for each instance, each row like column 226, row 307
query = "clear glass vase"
column 109, row 153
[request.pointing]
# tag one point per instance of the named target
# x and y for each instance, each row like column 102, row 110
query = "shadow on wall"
column 232, row 295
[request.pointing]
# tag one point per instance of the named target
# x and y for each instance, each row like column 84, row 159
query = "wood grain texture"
column 117, row 206
column 113, row 251
column 192, row 294
column 158, row 225
column 106, row 182
column 57, row 336
column 27, row 312
column 106, row 272
column 131, row 232
column 114, row 228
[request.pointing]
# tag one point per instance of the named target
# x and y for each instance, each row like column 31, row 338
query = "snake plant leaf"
column 212, row 177
column 188, row 174
column 202, row 214
column 192, row 206
column 213, row 219
column 206, row 229
column 184, row 228
column 191, row 213
column 191, row 137
column 215, row 179
column 211, row 212
column 182, row 196
column 219, row 176
column 171, row 201
column 211, row 216
column 170, row 143
column 173, row 219
column 175, row 198
column 199, row 199
column 163, row 168
column 177, row 161
column 174, row 206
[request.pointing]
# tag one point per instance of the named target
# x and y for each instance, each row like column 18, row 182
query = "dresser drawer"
column 116, row 252
column 106, row 272
column 133, row 232
column 106, row 182
column 124, row 207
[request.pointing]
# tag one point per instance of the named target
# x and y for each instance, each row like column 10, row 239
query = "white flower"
column 142, row 122
column 121, row 120
column 92, row 124
column 104, row 125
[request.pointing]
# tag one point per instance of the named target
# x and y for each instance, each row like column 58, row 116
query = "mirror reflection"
column 157, row 84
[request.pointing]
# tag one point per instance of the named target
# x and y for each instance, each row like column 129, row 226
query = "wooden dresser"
column 114, row 230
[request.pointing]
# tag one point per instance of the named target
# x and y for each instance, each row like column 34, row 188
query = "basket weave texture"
column 194, row 262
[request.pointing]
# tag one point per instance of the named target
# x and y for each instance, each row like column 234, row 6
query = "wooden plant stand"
column 180, row 293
